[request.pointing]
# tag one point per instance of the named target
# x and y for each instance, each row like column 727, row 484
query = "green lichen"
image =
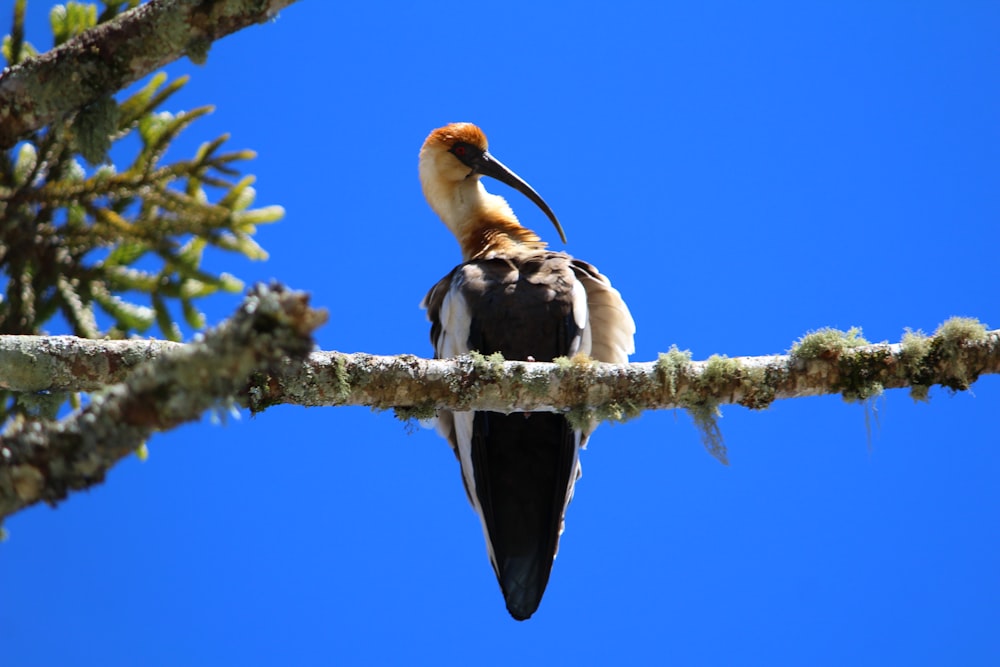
column 578, row 369
column 617, row 411
column 535, row 382
column 860, row 375
column 949, row 340
column 916, row 346
column 581, row 418
column 670, row 365
column 341, row 380
column 855, row 381
column 960, row 330
column 415, row 412
column 696, row 399
column 719, row 369
column 563, row 365
column 827, row 343
column 925, row 357
column 457, row 382
column 584, row 418
column 489, row 368
column 476, row 370
column 718, row 372
column 412, row 415
column 706, row 416
column 862, row 392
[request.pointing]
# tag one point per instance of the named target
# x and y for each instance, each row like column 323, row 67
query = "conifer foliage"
column 112, row 249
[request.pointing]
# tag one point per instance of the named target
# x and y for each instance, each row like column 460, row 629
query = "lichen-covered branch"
column 105, row 59
column 826, row 362
column 70, row 364
column 43, row 461
column 955, row 357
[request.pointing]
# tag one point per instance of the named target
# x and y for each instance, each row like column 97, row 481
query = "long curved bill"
column 488, row 165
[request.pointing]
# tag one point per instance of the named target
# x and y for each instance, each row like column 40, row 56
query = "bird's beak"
column 488, row 165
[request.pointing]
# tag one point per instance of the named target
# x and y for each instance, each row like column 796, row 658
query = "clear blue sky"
column 743, row 175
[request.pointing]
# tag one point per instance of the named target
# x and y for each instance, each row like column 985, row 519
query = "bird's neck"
column 483, row 223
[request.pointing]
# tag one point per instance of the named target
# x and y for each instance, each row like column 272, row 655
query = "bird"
column 513, row 295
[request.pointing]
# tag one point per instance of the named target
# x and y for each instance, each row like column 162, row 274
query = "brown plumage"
column 512, row 295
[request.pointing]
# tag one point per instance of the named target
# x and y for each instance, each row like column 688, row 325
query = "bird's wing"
column 442, row 311
column 519, row 470
column 611, row 325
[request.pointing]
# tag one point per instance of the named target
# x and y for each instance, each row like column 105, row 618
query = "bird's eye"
column 459, row 150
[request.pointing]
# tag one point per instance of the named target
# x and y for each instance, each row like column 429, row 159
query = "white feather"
column 454, row 341
column 455, row 323
column 581, row 315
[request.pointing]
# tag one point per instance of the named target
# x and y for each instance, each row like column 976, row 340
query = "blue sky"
column 743, row 175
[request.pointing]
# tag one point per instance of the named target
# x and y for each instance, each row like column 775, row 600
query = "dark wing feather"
column 523, row 463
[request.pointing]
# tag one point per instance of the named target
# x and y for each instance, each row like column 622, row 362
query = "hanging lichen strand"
column 110, row 249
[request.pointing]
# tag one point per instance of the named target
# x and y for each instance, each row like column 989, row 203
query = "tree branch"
column 44, row 461
column 823, row 363
column 260, row 358
column 103, row 60
column 619, row 391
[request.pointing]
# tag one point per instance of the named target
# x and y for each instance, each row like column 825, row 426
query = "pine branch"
column 105, row 59
column 43, row 461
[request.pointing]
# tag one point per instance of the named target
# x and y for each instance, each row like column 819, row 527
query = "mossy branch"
column 826, row 362
column 261, row 358
column 44, row 461
column 89, row 67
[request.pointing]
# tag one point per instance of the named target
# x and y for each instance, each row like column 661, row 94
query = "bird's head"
column 457, row 155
